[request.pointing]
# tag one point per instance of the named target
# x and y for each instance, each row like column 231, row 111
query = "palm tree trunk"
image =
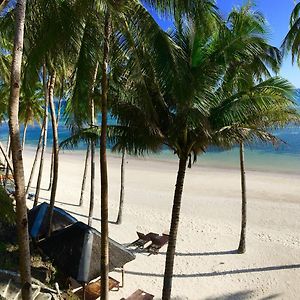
column 52, row 156
column 120, row 214
column 35, row 160
column 242, row 244
column 92, row 192
column 24, row 136
column 93, row 145
column 86, row 163
column 168, row 276
column 51, row 170
column 103, row 161
column 45, row 126
column 55, row 150
column 21, row 208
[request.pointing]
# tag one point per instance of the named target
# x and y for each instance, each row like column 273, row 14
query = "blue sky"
column 277, row 13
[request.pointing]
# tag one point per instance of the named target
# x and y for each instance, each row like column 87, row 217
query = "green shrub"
column 7, row 212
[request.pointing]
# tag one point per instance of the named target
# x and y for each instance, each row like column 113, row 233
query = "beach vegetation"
column 205, row 100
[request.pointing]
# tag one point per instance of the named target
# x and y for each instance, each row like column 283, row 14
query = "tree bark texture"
column 103, row 161
column 55, row 149
column 168, row 276
column 242, row 244
column 57, row 123
column 14, row 129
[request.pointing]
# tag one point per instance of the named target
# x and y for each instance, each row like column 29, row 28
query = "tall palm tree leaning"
column 21, row 208
column 190, row 107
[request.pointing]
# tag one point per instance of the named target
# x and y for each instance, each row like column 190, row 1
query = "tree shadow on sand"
column 222, row 273
column 243, row 295
column 227, row 252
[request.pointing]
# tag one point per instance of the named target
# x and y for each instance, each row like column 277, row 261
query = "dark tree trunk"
column 35, row 160
column 24, row 136
column 86, row 163
column 168, row 276
column 55, row 150
column 14, row 129
column 242, row 244
column 120, row 214
column 57, row 122
column 93, row 145
column 103, row 161
column 45, row 126
column 92, row 192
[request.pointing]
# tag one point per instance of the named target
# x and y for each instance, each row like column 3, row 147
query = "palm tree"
column 250, row 27
column 190, row 107
column 21, row 209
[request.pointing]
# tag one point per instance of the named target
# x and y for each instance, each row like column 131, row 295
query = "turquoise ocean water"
column 285, row 158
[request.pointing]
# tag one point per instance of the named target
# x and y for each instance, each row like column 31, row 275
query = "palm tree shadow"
column 243, row 295
column 68, row 204
column 221, row 273
column 213, row 253
column 31, row 198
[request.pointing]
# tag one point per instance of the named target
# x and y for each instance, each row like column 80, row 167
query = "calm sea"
column 285, row 158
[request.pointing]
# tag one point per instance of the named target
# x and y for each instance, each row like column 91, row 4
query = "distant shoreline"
column 255, row 162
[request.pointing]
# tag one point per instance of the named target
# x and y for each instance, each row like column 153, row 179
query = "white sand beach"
column 206, row 266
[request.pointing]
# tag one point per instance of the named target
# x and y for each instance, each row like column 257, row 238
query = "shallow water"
column 285, row 158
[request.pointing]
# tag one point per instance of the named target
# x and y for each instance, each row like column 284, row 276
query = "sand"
column 206, row 265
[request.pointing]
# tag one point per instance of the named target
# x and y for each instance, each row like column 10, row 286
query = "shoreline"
column 202, row 161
